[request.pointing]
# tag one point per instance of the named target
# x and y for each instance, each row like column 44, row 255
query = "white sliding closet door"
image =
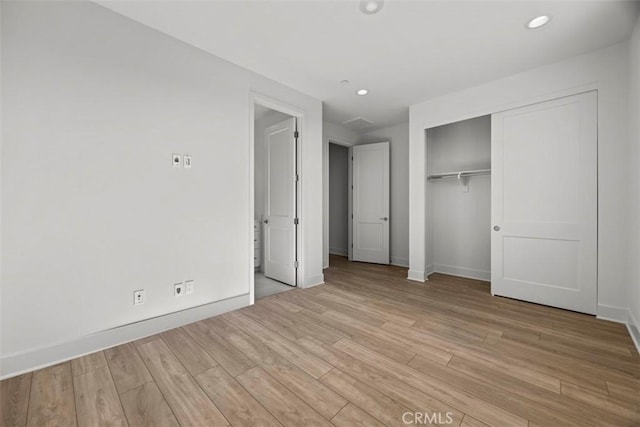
column 544, row 203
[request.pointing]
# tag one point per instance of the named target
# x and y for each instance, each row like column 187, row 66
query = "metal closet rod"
column 459, row 174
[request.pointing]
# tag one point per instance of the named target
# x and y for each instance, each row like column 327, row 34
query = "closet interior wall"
column 459, row 210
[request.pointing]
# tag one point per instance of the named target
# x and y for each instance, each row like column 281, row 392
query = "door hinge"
column 297, row 177
column 351, row 158
column 351, row 216
column 295, row 264
column 296, row 221
column 296, row 134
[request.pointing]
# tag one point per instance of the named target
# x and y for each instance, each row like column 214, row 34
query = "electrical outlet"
column 188, row 287
column 178, row 289
column 176, row 160
column 187, row 161
column 138, row 297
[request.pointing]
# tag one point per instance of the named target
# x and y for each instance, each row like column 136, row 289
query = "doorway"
column 275, row 201
column 458, row 195
column 339, row 217
column 359, row 220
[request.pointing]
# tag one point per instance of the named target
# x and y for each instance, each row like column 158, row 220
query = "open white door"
column 280, row 211
column 544, row 203
column 370, row 200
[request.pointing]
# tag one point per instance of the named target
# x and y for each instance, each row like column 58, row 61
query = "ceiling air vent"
column 357, row 123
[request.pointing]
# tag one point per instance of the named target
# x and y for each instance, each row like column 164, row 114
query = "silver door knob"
column 266, row 221
column 385, row 219
column 496, row 228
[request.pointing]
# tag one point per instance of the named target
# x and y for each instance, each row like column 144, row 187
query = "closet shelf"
column 459, row 174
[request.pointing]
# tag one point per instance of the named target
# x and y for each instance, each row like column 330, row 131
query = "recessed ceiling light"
column 370, row 7
column 344, row 82
column 362, row 92
column 538, row 21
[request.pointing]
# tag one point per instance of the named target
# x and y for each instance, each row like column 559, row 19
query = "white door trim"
column 350, row 203
column 256, row 98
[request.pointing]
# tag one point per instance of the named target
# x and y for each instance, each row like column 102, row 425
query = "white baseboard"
column 313, row 281
column 417, row 276
column 19, row 363
column 469, row 273
column 611, row 313
column 400, row 262
column 621, row 315
column 339, row 251
column 634, row 329
column 430, row 270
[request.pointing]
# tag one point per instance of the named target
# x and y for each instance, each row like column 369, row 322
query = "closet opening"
column 459, row 199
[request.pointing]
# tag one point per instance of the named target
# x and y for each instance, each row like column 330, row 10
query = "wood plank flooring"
column 369, row 348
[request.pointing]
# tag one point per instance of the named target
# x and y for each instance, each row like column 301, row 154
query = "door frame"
column 256, row 98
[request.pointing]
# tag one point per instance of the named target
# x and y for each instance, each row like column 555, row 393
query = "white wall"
column 260, row 160
column 338, row 199
column 605, row 70
column 93, row 106
column 343, row 136
column 460, row 221
column 398, row 136
column 633, row 178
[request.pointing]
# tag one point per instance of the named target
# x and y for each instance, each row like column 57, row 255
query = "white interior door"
column 280, row 210
column 544, row 203
column 370, row 203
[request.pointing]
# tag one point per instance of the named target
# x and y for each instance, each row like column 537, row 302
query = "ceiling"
column 409, row 52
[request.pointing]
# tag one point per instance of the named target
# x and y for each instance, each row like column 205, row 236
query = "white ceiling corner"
column 407, row 53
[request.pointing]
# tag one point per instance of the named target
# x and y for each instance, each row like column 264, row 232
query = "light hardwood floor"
column 368, row 348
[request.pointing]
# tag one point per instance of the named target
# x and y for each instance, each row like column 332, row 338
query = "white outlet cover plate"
column 176, row 160
column 178, row 289
column 188, row 287
column 187, row 162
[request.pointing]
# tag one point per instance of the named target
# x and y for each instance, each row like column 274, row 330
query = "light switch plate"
column 188, row 287
column 176, row 160
column 187, row 161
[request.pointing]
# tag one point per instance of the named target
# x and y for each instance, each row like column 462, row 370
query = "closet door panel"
column 544, row 145
column 544, row 203
column 560, row 258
